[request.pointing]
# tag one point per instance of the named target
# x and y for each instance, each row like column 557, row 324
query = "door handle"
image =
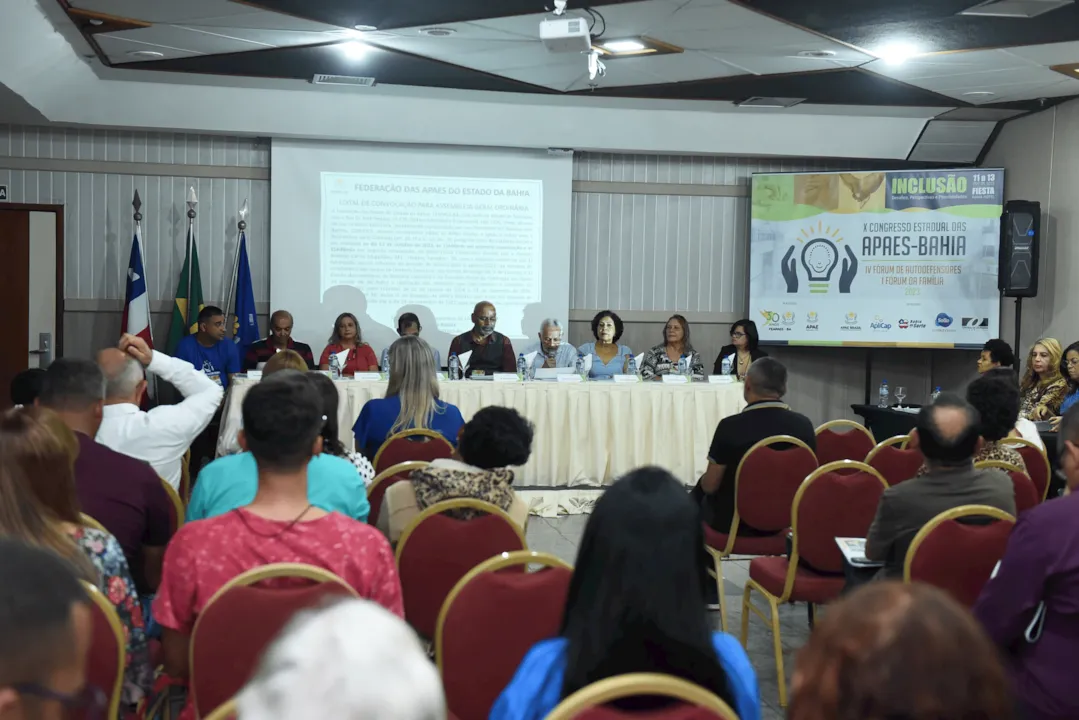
column 44, row 349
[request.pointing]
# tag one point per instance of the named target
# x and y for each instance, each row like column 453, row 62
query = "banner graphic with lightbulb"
column 897, row 258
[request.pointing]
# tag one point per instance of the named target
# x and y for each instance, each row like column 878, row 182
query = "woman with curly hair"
column 1043, row 386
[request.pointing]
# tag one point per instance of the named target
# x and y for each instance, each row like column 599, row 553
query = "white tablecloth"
column 586, row 433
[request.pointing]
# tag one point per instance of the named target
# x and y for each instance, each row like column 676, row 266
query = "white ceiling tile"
column 1054, row 54
column 930, row 152
column 957, row 132
column 168, row 36
column 117, row 49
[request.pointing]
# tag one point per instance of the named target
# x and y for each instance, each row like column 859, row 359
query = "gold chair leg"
column 745, row 616
column 777, row 643
column 719, row 590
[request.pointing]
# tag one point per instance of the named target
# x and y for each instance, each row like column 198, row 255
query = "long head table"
column 586, row 433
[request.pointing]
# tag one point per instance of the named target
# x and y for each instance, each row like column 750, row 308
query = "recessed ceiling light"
column 437, row 31
column 979, row 93
column 96, row 22
column 622, row 46
column 631, row 47
column 817, row 53
column 353, row 49
column 896, row 53
column 365, row 28
column 145, row 53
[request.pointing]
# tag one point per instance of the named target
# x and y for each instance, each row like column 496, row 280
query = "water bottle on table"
column 522, row 367
column 454, row 367
column 935, row 395
column 578, row 367
column 883, row 401
column 683, row 365
column 631, row 365
column 726, row 365
column 386, row 361
column 335, row 366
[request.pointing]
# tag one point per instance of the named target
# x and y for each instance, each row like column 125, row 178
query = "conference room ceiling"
column 817, row 51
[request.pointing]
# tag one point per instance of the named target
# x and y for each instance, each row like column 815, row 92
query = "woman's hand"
column 1040, row 413
column 1054, row 423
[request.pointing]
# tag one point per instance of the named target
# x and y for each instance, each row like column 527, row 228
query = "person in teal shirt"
column 231, row 482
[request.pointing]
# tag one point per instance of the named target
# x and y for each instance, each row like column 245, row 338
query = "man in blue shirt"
column 208, row 350
column 551, row 351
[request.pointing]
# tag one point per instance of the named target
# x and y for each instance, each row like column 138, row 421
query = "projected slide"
column 901, row 258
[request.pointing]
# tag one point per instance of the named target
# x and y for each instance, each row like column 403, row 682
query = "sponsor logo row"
column 850, row 322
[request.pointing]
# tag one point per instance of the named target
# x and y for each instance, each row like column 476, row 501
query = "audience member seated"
column 284, row 360
column 1043, row 387
column 764, row 416
column 1069, row 369
column 663, row 358
column 386, row 676
column 123, row 494
column 280, row 339
column 46, row 626
column 1024, row 428
column 491, row 351
column 228, row 442
column 636, row 603
column 331, row 434
column 332, row 483
column 282, row 422
column 347, row 338
column 551, row 350
column 163, row 435
column 997, row 402
column 411, row 400
column 37, row 494
column 208, row 350
column 493, row 441
column 409, row 324
column 898, row 651
column 742, row 351
column 26, row 386
column 947, row 435
column 608, row 356
column 996, row 354
column 1031, row 605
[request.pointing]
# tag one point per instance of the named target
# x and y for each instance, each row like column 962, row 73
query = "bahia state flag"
column 136, row 319
column 245, row 329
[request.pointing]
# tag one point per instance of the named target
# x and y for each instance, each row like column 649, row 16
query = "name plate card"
column 500, row 377
column 721, row 379
column 367, row 376
column 675, row 379
column 626, row 378
column 442, row 377
column 254, row 374
column 570, row 378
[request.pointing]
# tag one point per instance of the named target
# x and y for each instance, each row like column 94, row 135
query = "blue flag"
column 245, row 329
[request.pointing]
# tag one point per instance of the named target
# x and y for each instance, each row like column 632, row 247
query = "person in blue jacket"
column 636, row 603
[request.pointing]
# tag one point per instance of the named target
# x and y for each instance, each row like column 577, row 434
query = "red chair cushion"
column 234, row 630
column 412, row 447
column 102, row 666
column 959, row 557
column 767, row 483
column 489, row 629
column 896, row 465
column 1026, row 494
column 849, row 445
column 835, row 505
column 1036, row 468
column 770, row 545
column 439, row 552
column 771, row 573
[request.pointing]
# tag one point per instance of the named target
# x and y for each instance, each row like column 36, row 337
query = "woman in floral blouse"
column 1043, row 387
column 38, row 504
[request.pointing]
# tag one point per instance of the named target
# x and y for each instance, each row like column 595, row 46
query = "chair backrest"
column 1026, row 494
column 106, row 659
column 227, row 711
column 588, row 702
column 843, row 440
column 488, row 623
column 839, row 499
column 892, row 460
column 242, row 618
column 382, row 482
column 1037, row 462
column 416, row 444
column 89, row 522
column 767, row 479
column 959, row 557
column 176, row 507
column 185, row 478
column 435, row 551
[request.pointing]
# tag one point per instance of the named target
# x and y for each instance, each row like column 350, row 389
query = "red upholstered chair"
column 892, row 459
column 1026, row 495
column 693, row 701
column 843, row 440
column 764, row 486
column 435, row 551
column 176, row 507
column 108, row 648
column 488, row 623
column 225, row 712
column 959, row 557
column 837, row 500
column 382, row 482
column 240, row 621
column 420, row 444
column 1038, row 468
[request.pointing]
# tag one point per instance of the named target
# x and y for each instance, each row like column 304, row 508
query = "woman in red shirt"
column 346, row 336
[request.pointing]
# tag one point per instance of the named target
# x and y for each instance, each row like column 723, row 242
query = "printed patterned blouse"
column 656, row 363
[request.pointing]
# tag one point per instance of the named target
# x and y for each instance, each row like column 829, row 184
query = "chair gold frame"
column 901, row 440
column 456, row 504
column 963, row 511
column 105, row 606
column 1006, row 467
column 852, row 425
column 87, row 521
column 719, row 556
column 177, row 503
column 792, row 570
column 415, row 432
column 226, row 711
column 494, row 564
column 1018, row 441
column 397, row 469
column 640, row 684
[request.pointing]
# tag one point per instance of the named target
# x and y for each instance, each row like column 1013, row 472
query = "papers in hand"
column 341, row 358
column 463, row 358
column 640, row 361
column 853, row 550
column 587, row 365
column 530, row 358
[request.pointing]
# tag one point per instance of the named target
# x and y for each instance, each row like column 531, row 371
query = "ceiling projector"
column 566, row 35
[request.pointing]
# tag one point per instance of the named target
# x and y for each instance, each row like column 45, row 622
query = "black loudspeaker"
column 1020, row 242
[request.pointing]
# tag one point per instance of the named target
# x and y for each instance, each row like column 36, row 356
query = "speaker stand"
column 1018, row 326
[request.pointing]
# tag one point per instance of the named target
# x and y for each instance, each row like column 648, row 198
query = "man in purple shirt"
column 122, row 493
column 1031, row 606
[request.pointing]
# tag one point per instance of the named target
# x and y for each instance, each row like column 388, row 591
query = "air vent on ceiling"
column 770, row 102
column 437, row 31
column 343, row 80
column 1015, row 8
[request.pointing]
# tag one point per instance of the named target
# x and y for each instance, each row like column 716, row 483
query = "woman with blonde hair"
column 39, row 505
column 411, row 400
column 1043, row 388
column 284, row 360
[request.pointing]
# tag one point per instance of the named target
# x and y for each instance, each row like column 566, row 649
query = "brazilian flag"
column 186, row 310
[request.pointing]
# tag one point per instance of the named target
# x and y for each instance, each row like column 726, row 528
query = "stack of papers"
column 853, row 550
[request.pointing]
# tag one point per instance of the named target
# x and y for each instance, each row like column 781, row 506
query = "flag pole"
column 137, row 204
column 192, row 203
column 241, row 225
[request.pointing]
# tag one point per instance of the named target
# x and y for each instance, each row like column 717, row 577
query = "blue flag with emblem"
column 245, row 328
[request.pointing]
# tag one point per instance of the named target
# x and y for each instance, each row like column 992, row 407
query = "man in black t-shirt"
column 764, row 416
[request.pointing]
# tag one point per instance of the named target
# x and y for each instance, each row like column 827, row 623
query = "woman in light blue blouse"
column 608, row 357
column 636, row 603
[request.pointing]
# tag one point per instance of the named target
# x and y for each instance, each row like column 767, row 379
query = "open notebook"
column 853, row 550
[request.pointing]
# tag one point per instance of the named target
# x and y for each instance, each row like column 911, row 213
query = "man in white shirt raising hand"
column 162, row 435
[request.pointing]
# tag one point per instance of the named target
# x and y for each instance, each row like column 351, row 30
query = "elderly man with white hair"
column 551, row 351
column 352, row 659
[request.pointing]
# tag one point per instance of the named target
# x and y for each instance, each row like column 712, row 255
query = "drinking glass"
column 900, row 393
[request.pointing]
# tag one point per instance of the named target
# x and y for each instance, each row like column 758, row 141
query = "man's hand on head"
column 137, row 348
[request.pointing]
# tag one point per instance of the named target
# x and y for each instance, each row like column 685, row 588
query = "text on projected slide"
column 440, row 242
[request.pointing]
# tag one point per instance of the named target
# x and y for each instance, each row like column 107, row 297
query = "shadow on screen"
column 345, row 298
column 436, row 338
column 533, row 316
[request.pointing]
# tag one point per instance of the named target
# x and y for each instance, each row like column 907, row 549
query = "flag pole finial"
column 137, row 204
column 242, row 224
column 192, row 202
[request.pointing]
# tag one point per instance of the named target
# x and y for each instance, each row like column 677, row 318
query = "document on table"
column 853, row 550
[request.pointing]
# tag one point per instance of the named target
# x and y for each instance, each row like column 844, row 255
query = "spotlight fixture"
column 353, row 49
column 896, row 53
column 633, row 47
column 365, row 28
column 145, row 53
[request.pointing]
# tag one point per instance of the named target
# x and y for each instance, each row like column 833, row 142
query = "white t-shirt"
column 1028, row 431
